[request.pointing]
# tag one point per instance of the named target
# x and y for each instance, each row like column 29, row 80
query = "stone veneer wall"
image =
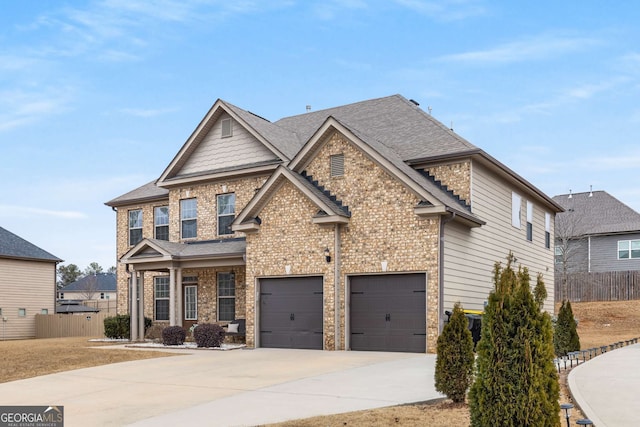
column 456, row 176
column 383, row 226
column 207, row 229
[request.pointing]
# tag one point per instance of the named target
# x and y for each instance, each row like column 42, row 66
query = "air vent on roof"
column 337, row 165
column 227, row 129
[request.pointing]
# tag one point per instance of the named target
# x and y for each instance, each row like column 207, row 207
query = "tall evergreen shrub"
column 565, row 337
column 516, row 383
column 454, row 365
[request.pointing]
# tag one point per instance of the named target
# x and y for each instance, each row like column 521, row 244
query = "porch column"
column 172, row 296
column 179, row 299
column 141, row 307
column 133, row 319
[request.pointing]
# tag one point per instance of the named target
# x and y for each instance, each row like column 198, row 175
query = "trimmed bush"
column 208, row 335
column 565, row 336
column 516, row 382
column 173, row 335
column 117, row 327
column 454, row 365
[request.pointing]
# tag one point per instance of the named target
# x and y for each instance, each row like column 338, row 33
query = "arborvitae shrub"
column 173, row 335
column 118, row 327
column 454, row 365
column 516, row 383
column 565, row 337
column 208, row 335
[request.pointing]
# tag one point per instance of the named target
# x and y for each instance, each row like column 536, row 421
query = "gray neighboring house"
column 101, row 286
column 27, row 285
column 596, row 233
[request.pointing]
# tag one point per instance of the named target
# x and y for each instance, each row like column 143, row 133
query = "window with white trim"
column 547, row 230
column 188, row 218
column 22, row 312
column 227, row 128
column 161, row 297
column 191, row 302
column 226, row 212
column 628, row 249
column 44, row 311
column 135, row 226
column 516, row 207
column 226, row 296
column 529, row 221
column 161, row 222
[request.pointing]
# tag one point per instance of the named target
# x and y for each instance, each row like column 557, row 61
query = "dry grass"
column 600, row 323
column 31, row 358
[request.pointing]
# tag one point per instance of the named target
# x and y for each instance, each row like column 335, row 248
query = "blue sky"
column 96, row 97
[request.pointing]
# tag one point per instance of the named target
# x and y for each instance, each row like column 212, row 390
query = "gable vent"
column 337, row 165
column 227, row 129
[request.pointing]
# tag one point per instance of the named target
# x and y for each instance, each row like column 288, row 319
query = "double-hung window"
column 188, row 218
column 226, row 296
column 628, row 249
column 161, row 222
column 161, row 296
column 529, row 221
column 226, row 213
column 547, row 230
column 135, row 226
column 516, row 206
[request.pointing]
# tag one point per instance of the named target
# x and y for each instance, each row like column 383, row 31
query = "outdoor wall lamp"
column 327, row 255
column 566, row 407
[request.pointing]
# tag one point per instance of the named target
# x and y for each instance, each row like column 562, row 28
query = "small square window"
column 44, row 311
column 22, row 312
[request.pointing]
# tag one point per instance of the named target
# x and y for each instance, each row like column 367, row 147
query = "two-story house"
column 596, row 233
column 354, row 227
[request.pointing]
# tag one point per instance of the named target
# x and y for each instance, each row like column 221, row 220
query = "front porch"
column 185, row 283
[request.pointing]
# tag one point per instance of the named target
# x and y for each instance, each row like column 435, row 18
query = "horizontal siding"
column 470, row 254
column 604, row 254
column 215, row 152
column 29, row 285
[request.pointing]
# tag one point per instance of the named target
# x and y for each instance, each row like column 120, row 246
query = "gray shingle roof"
column 104, row 282
column 149, row 191
column 13, row 246
column 599, row 214
column 208, row 248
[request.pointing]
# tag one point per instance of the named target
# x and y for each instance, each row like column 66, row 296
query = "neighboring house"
column 596, row 233
column 27, row 285
column 354, row 227
column 74, row 307
column 94, row 287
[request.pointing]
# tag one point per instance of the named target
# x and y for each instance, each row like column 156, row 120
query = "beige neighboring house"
column 351, row 228
column 95, row 290
column 27, row 285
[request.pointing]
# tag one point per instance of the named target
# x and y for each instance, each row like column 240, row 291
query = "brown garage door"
column 388, row 313
column 291, row 312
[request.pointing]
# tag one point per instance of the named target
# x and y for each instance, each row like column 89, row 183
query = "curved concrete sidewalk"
column 229, row 388
column 607, row 387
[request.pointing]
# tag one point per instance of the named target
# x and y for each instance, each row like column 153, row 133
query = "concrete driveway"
column 229, row 388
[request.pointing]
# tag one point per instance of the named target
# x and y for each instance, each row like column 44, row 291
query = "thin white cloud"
column 532, row 49
column 19, row 107
column 22, row 211
column 445, row 10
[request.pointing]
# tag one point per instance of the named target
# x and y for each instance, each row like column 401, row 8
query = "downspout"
column 589, row 254
column 443, row 222
column 336, row 282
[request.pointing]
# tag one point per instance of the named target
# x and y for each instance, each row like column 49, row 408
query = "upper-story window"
column 161, row 222
column 529, row 221
column 547, row 230
column 135, row 226
column 516, row 206
column 188, row 218
column 226, row 212
column 628, row 249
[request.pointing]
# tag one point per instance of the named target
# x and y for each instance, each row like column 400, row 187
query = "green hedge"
column 117, row 327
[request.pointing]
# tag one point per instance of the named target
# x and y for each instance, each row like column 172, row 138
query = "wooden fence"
column 70, row 325
column 608, row 286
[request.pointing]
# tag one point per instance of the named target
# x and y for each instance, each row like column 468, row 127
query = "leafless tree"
column 89, row 287
column 569, row 246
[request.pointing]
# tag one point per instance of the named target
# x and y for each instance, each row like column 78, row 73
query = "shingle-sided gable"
column 13, row 246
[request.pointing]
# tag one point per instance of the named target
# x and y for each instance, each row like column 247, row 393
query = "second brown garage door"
column 291, row 312
column 388, row 312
